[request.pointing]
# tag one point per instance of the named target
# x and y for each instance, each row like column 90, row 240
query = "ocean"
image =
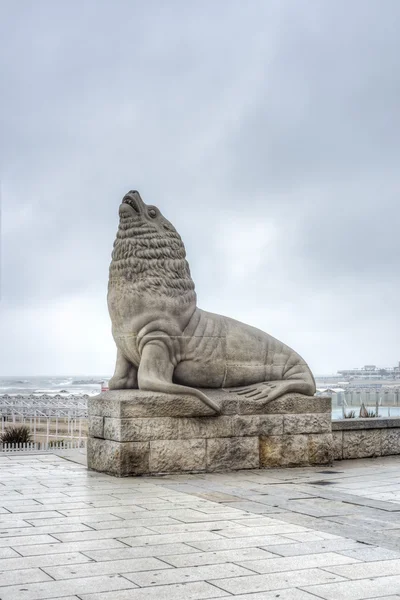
column 52, row 385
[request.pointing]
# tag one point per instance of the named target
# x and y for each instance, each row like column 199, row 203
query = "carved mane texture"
column 152, row 260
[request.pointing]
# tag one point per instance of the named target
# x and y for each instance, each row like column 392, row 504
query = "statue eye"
column 152, row 213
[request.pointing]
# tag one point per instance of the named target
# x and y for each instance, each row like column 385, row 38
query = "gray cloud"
column 267, row 132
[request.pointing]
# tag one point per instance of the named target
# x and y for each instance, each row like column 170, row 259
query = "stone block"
column 390, row 442
column 337, row 437
column 362, row 444
column 136, row 403
column 96, row 427
column 320, row 449
column 255, row 425
column 307, row 423
column 229, row 454
column 271, row 451
column 116, row 458
column 295, row 450
column 205, row 427
column 167, row 456
column 141, row 429
column 284, row 451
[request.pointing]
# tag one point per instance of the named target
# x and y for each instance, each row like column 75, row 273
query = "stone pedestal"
column 135, row 433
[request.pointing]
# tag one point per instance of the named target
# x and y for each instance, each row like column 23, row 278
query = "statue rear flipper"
column 271, row 390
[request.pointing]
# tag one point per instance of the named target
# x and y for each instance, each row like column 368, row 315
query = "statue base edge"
column 123, row 442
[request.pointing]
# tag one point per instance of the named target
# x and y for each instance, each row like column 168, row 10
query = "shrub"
column 16, row 434
column 350, row 415
column 371, row 413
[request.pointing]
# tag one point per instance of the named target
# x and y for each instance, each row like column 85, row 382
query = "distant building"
column 371, row 372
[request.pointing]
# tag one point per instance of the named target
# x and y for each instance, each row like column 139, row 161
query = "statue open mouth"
column 132, row 202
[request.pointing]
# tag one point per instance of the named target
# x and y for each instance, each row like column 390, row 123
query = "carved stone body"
column 165, row 343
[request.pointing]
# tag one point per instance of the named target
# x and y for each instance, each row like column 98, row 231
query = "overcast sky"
column 267, row 131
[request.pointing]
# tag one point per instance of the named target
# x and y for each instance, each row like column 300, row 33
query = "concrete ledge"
column 364, row 438
column 370, row 423
column 136, row 433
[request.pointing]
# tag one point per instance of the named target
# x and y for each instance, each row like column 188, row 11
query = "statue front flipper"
column 156, row 371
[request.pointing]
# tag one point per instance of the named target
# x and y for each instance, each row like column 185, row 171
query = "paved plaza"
column 287, row 534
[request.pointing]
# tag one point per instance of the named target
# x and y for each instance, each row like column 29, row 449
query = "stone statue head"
column 134, row 213
column 149, row 253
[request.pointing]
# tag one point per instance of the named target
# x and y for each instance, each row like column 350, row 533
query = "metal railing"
column 44, row 446
column 50, row 418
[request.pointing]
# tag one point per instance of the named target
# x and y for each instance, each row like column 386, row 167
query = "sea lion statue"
column 165, row 342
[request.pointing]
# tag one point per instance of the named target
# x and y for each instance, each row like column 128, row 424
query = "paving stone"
column 186, row 574
column 281, row 529
column 357, row 590
column 8, row 553
column 282, row 594
column 370, row 553
column 124, row 552
column 210, row 558
column 35, row 550
column 243, row 542
column 93, row 512
column 111, row 567
column 293, row 563
column 24, row 540
column 306, row 537
column 389, row 597
column 43, row 560
column 88, row 521
column 55, row 589
column 129, row 523
column 23, row 576
column 12, row 523
column 50, row 507
column 370, row 569
column 256, row 508
column 197, row 590
column 82, row 536
column 219, row 527
column 30, row 530
column 292, row 549
column 43, row 514
column 171, row 538
column 275, row 581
